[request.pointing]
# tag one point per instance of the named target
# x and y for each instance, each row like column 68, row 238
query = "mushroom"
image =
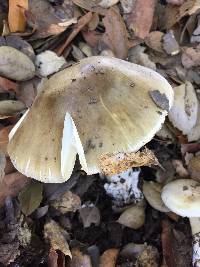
column 182, row 196
column 97, row 106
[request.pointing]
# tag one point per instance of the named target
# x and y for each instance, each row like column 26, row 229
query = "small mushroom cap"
column 99, row 105
column 182, row 196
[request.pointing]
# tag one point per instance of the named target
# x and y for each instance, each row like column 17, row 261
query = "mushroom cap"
column 99, row 105
column 182, row 196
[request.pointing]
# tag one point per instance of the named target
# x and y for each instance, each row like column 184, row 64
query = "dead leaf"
column 89, row 214
column 141, row 17
column 107, row 3
column 56, row 236
column 194, row 168
column 138, row 56
column 159, row 99
column 30, row 197
column 112, row 164
column 176, row 2
column 9, row 108
column 2, row 165
column 127, row 5
column 28, row 91
column 133, row 217
column 109, row 258
column 180, row 169
column 170, row 44
column 47, row 20
column 191, row 57
column 82, row 22
column 67, row 202
column 16, row 19
column 52, row 258
column 92, row 25
column 148, row 257
column 9, row 252
column 4, row 137
column 154, row 41
column 166, row 237
column 15, row 65
column 117, row 41
column 8, row 85
column 92, row 37
column 12, row 184
column 90, row 5
column 80, row 259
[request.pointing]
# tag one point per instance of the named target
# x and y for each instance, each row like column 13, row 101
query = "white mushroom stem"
column 123, row 188
column 195, row 227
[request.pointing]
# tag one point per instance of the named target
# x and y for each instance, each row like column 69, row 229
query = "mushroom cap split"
column 182, row 196
column 97, row 106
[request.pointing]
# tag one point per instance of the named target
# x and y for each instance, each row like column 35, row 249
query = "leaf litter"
column 107, row 214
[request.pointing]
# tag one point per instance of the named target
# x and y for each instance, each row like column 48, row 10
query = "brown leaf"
column 80, row 259
column 8, row 85
column 9, row 252
column 117, row 41
column 92, row 37
column 4, row 137
column 90, row 215
column 141, row 17
column 166, row 237
column 148, row 257
column 109, row 258
column 28, row 91
column 112, row 164
column 191, row 57
column 9, row 108
column 154, row 41
column 12, row 184
column 67, row 202
column 133, row 217
column 176, row 2
column 56, row 235
column 2, row 165
column 82, row 22
column 52, row 258
column 16, row 19
column 90, row 5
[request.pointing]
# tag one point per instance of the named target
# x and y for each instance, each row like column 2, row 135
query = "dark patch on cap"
column 159, row 99
column 185, row 188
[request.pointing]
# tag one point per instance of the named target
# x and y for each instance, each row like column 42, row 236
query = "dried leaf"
column 16, row 19
column 112, row 164
column 15, row 65
column 160, row 99
column 30, row 198
column 9, row 108
column 92, row 37
column 12, row 184
column 127, row 5
column 4, row 137
column 47, row 20
column 80, row 259
column 107, row 3
column 166, row 237
column 191, row 57
column 152, row 192
column 8, row 85
column 82, row 22
column 56, row 236
column 176, row 2
column 154, row 41
column 90, row 5
column 133, row 217
column 109, row 258
column 52, row 258
column 67, row 202
column 89, row 214
column 141, row 17
column 9, row 252
column 117, row 41
column 148, row 257
column 170, row 44
column 2, row 165
column 194, row 168
column 138, row 56
column 28, row 91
